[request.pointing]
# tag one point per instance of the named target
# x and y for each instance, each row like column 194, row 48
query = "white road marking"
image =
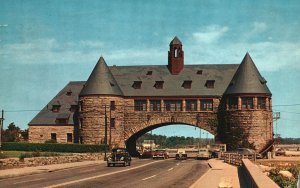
column 170, row 169
column 99, row 176
column 177, row 164
column 28, row 181
column 149, row 177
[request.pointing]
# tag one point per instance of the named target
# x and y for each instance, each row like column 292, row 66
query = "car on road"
column 119, row 156
column 247, row 151
column 181, row 155
column 204, row 153
column 279, row 151
column 147, row 154
column 160, row 154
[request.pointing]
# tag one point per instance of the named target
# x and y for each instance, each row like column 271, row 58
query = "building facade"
column 118, row 104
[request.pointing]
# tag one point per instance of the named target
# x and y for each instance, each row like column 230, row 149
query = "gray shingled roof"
column 101, row 81
column 126, row 75
column 175, row 41
column 247, row 79
column 47, row 117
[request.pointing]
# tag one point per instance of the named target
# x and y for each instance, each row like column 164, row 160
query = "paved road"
column 142, row 173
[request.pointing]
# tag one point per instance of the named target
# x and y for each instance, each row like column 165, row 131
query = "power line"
column 288, row 112
column 287, row 105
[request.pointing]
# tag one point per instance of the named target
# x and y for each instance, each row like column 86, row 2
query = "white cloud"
column 210, row 34
column 259, row 27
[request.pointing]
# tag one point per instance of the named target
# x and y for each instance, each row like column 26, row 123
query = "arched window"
column 176, row 53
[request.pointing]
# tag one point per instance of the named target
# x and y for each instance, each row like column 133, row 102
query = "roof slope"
column 65, row 98
column 101, row 81
column 175, row 41
column 247, row 79
column 172, row 86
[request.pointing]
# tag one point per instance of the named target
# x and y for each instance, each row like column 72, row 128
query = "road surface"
column 142, row 173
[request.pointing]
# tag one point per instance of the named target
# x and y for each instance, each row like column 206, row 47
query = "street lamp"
column 1, row 126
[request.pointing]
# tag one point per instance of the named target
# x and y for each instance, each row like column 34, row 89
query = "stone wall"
column 92, row 120
column 257, row 123
column 40, row 134
column 40, row 161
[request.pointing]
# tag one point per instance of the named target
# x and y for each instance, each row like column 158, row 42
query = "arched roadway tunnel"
column 131, row 142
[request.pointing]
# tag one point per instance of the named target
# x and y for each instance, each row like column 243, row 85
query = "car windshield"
column 118, row 150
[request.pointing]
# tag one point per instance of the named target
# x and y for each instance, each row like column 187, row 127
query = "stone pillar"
column 239, row 103
column 162, row 105
column 227, row 103
column 255, row 103
column 183, row 105
column 270, row 103
column 267, row 104
column 148, row 105
column 198, row 105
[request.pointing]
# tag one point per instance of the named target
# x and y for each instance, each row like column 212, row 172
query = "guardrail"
column 255, row 177
column 235, row 158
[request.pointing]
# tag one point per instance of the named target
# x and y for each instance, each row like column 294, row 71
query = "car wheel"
column 129, row 163
column 108, row 164
column 114, row 164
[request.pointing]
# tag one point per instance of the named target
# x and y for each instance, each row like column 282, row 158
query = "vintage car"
column 181, row 155
column 204, row 153
column 147, row 154
column 119, row 156
column 160, row 154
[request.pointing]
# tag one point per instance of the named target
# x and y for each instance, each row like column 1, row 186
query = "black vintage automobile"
column 119, row 156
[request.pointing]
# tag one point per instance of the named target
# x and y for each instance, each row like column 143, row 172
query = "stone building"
column 128, row 101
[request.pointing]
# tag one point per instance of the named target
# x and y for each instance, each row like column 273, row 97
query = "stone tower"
column 101, row 102
column 175, row 56
column 248, row 106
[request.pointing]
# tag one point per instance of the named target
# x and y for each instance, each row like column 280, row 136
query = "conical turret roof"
column 247, row 79
column 101, row 81
column 175, row 41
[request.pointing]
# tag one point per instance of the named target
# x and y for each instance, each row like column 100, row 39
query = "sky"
column 44, row 44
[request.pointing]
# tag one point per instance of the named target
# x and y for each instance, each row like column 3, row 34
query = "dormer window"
column 176, row 53
column 55, row 107
column 159, row 84
column 149, row 73
column 199, row 72
column 187, row 84
column 137, row 84
column 62, row 118
column 112, row 84
column 69, row 93
column 73, row 108
column 210, row 83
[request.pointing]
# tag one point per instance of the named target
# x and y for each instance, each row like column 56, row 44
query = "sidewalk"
column 47, row 168
column 220, row 174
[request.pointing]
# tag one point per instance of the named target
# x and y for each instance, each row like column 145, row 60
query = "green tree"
column 11, row 134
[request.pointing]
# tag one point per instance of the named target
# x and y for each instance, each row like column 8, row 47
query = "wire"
column 287, row 105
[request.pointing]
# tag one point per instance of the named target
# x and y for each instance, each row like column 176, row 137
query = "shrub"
column 3, row 155
column 69, row 148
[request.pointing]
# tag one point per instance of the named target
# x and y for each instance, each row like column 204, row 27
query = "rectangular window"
column 69, row 137
column 53, row 137
column 206, row 104
column 73, row 108
column 55, row 108
column 187, row 84
column 137, row 84
column 247, row 102
column 112, row 105
column 154, row 105
column 191, row 105
column 112, row 123
column 159, row 84
column 210, row 83
column 173, row 105
column 261, row 103
column 140, row 105
column 233, row 103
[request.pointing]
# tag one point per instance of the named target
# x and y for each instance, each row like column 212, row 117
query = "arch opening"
column 178, row 130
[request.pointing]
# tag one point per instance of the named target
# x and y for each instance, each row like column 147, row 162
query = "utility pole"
column 105, row 133
column 1, row 126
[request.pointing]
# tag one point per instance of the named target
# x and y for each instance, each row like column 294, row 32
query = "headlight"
column 122, row 158
column 109, row 158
